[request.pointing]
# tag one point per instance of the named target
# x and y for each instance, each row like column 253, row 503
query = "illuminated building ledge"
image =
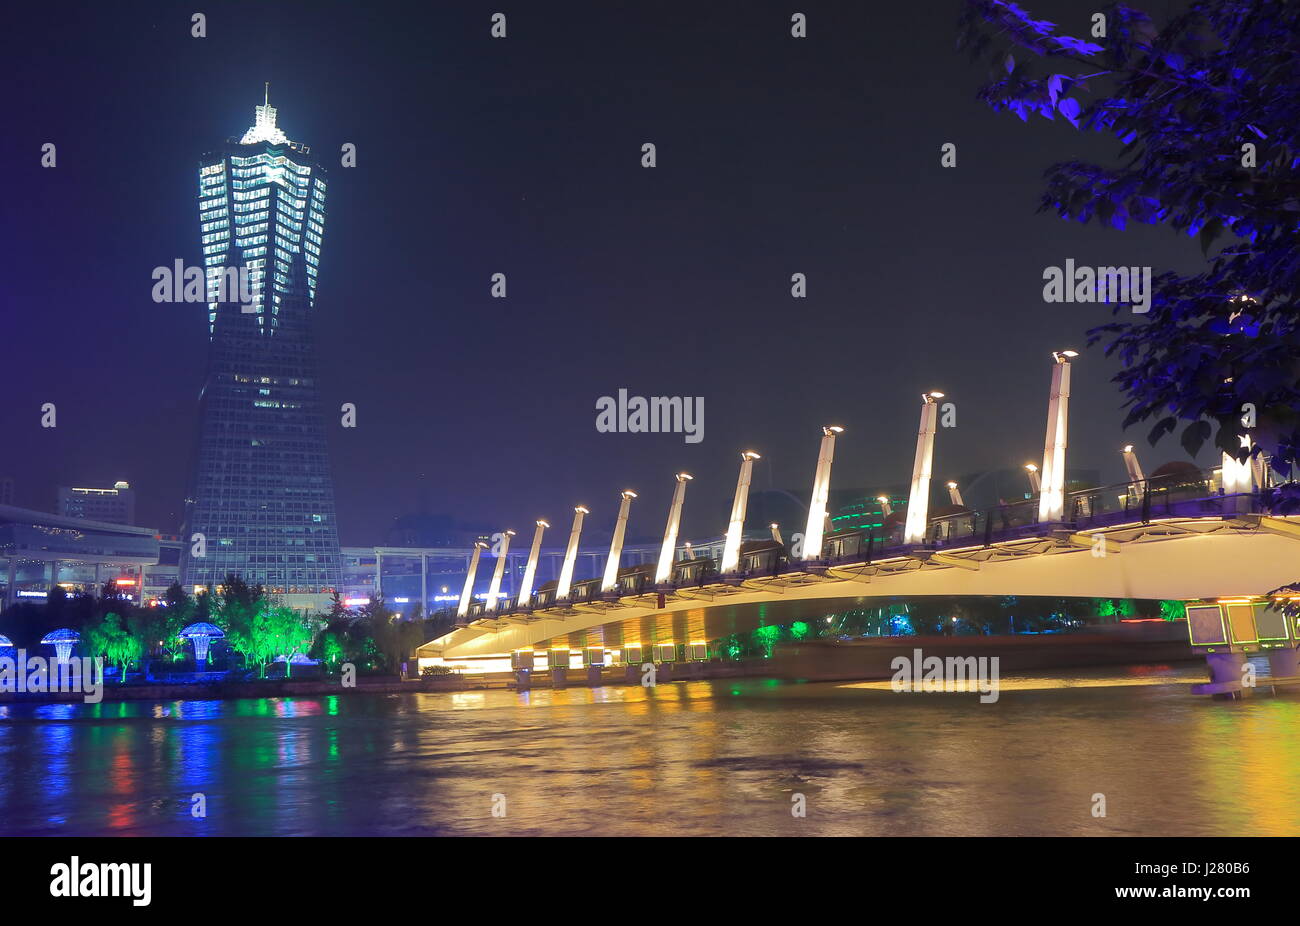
column 1213, row 558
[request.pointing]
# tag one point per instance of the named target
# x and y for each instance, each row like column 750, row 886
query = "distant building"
column 980, row 491
column 865, row 512
column 40, row 550
column 262, row 499
column 990, row 488
column 112, row 506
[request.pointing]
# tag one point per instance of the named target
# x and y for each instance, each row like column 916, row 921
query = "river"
column 691, row 758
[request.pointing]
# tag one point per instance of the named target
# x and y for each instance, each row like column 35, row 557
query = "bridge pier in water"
column 1225, row 667
column 1284, row 662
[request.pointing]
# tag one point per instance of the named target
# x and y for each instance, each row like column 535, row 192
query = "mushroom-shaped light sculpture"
column 201, row 633
column 62, row 641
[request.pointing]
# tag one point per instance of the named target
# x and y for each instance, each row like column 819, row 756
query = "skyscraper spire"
column 264, row 127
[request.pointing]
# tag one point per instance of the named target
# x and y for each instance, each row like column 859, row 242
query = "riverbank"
column 259, row 688
column 864, row 659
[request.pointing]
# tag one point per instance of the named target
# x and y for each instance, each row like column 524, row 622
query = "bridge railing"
column 1194, row 494
column 1183, row 495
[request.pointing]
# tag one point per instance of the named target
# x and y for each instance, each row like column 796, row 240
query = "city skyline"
column 635, row 421
column 586, row 275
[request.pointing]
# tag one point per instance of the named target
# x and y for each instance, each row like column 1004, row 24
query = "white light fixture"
column 664, row 571
column 812, row 536
column 739, row 503
column 1051, row 494
column 616, row 544
column 918, row 498
column 530, row 570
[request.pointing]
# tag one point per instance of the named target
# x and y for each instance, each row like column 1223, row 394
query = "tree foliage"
column 111, row 639
column 1220, row 349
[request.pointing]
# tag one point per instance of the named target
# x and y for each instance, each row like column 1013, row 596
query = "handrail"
column 1141, row 500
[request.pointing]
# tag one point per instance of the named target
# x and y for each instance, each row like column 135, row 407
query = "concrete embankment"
column 864, row 659
column 277, row 688
column 1138, row 643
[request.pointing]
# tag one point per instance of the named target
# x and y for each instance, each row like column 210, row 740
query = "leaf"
column 1010, row 63
column 1069, row 108
column 1163, row 427
column 1194, row 436
column 1228, row 439
column 1208, row 234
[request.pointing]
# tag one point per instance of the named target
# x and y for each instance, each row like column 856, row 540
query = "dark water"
column 687, row 758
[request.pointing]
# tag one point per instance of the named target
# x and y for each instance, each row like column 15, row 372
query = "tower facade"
column 261, row 499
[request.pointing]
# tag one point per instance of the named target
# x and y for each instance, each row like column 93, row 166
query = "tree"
column 271, row 630
column 56, row 603
column 1206, row 110
column 175, row 596
column 110, row 639
column 390, row 634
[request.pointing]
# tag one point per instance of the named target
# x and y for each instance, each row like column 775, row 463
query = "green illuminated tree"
column 110, row 639
column 1173, row 610
column 259, row 629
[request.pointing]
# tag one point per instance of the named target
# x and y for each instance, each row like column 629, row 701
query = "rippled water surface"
column 686, row 758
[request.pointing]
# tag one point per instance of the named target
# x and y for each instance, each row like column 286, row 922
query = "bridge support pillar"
column 523, row 679
column 664, row 570
column 495, row 587
column 616, row 544
column 736, row 526
column 918, row 499
column 467, row 592
column 594, row 676
column 812, row 535
column 559, row 677
column 570, row 555
column 1225, row 667
column 1284, row 662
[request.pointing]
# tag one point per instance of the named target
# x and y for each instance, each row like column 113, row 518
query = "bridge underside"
column 1188, row 558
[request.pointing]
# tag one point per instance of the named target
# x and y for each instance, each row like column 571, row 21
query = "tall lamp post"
column 812, row 535
column 918, row 500
column 736, row 526
column 664, row 570
column 1051, row 496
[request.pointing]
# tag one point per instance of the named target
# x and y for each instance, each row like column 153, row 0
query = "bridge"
column 1199, row 534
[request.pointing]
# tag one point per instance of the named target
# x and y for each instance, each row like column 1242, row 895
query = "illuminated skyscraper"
column 262, row 497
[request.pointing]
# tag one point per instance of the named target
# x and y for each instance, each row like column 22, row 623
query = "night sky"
column 522, row 156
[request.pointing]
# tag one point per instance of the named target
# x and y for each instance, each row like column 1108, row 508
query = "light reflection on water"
column 696, row 758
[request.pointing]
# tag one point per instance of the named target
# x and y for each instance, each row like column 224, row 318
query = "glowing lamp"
column 62, row 640
column 201, row 634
